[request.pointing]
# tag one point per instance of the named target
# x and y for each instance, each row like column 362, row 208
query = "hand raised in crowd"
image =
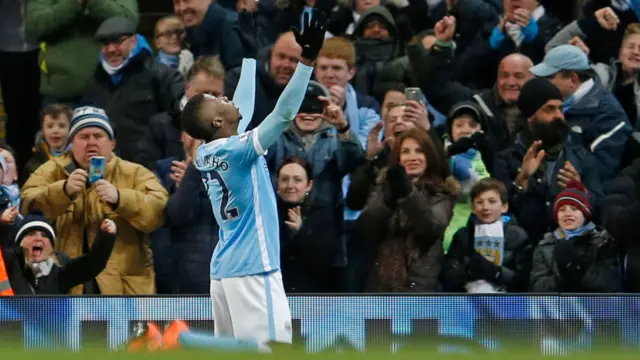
column 607, row 18
column 530, row 164
column 503, row 21
column 567, row 174
column 333, row 114
column 76, row 182
column 9, row 215
column 337, row 95
column 109, row 226
column 311, row 36
column 374, row 144
column 576, row 41
column 416, row 112
column 295, row 219
column 522, row 17
column 445, row 29
column 107, row 192
column 178, row 168
column 508, row 11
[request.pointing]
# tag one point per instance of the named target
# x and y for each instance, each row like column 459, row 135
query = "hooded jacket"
column 373, row 54
column 141, row 89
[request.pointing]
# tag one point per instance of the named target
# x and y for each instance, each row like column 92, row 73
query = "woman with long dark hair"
column 406, row 216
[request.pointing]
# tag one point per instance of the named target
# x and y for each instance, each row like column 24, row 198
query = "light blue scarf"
column 561, row 234
column 171, row 61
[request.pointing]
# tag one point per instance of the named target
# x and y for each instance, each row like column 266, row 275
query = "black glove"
column 397, row 186
column 569, row 264
column 311, row 36
column 479, row 268
column 461, row 146
column 479, row 140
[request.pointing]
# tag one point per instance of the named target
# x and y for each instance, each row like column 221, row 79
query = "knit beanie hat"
column 574, row 194
column 534, row 94
column 35, row 220
column 89, row 116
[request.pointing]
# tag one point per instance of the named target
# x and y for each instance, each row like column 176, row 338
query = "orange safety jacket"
column 5, row 286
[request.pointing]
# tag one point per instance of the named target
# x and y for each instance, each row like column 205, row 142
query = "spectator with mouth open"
column 34, row 268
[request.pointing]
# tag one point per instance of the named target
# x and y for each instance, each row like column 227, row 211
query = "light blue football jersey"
column 237, row 180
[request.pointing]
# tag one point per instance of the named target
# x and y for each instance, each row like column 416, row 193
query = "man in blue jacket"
column 211, row 30
column 595, row 117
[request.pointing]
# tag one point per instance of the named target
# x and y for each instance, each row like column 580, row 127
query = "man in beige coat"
column 129, row 194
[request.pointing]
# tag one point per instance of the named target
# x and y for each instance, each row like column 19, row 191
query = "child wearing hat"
column 467, row 150
column 35, row 268
column 577, row 256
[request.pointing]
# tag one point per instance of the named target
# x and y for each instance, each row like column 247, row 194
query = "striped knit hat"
column 574, row 194
column 35, row 220
column 89, row 116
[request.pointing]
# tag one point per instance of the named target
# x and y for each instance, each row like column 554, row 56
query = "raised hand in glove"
column 479, row 268
column 398, row 185
column 460, row 147
column 569, row 264
column 311, row 36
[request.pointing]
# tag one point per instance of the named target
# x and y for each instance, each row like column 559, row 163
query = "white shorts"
column 252, row 308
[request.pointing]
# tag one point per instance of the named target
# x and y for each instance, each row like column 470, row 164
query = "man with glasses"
column 130, row 85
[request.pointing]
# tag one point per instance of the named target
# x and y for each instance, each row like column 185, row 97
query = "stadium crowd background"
column 383, row 205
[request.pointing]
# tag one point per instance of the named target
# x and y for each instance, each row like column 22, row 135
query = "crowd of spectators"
column 480, row 145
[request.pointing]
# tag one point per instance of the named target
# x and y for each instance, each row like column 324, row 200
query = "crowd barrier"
column 550, row 324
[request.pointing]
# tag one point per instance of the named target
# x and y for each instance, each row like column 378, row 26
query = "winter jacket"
column 601, row 125
column 408, row 239
column 66, row 30
column 308, row 256
column 515, row 259
column 478, row 63
column 372, row 55
column 218, row 34
column 194, row 232
column 433, row 71
column 161, row 140
column 68, row 273
column 41, row 154
column 331, row 159
column 139, row 211
column 267, row 91
column 12, row 32
column 534, row 208
column 147, row 88
column 595, row 248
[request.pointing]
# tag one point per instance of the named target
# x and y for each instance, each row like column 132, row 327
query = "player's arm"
column 310, row 39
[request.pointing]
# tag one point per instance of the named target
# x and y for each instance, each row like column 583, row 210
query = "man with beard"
column 543, row 160
column 596, row 118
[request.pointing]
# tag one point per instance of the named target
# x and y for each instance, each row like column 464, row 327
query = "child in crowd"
column 464, row 147
column 576, row 257
column 491, row 253
column 170, row 34
column 51, row 140
column 9, row 176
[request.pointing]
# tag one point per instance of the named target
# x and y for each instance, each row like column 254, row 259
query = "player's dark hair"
column 300, row 161
column 193, row 122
